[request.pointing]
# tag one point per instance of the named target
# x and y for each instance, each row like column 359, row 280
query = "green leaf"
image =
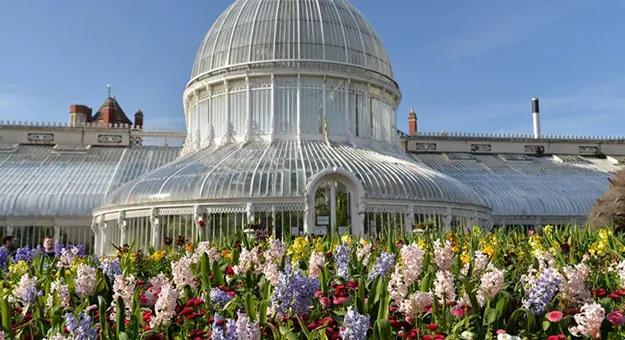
column 546, row 324
column 384, row 329
column 123, row 336
column 6, row 315
column 427, row 281
column 274, row 330
column 303, row 327
column 360, row 293
column 217, row 274
column 120, row 317
column 205, row 272
column 104, row 326
column 502, row 307
column 262, row 313
column 284, row 329
column 250, row 306
column 490, row 316
column 515, row 318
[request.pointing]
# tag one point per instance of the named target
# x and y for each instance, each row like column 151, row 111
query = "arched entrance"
column 334, row 199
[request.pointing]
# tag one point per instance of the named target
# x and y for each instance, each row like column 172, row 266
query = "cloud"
column 501, row 28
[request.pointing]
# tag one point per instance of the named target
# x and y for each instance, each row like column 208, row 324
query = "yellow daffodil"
column 19, row 268
column 158, row 255
column 465, row 258
column 488, row 250
column 347, row 238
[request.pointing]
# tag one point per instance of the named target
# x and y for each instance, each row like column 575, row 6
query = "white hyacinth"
column 165, row 306
column 589, row 321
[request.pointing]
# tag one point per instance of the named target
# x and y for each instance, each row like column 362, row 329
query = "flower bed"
column 558, row 284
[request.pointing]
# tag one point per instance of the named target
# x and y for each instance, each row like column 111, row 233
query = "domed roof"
column 237, row 172
column 267, row 31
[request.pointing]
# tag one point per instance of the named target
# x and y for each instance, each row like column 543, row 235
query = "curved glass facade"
column 261, row 31
column 535, row 186
column 291, row 107
column 39, row 181
column 282, row 169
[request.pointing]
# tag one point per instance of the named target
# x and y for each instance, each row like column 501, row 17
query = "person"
column 48, row 246
column 8, row 243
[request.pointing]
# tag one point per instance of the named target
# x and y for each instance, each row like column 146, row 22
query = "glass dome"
column 263, row 31
column 291, row 118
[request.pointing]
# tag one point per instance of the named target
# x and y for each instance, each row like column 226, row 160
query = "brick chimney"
column 138, row 119
column 412, row 123
column 79, row 114
column 108, row 112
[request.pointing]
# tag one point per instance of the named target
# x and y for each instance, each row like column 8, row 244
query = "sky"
column 464, row 66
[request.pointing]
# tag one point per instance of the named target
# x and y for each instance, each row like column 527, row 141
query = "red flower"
column 186, row 311
column 613, row 296
column 396, row 324
column 459, row 312
column 229, row 270
column 427, row 337
column 616, row 318
column 201, row 222
column 352, row 284
column 325, row 302
column 554, row 316
column 557, row 337
column 432, row 327
column 599, row 292
column 339, row 300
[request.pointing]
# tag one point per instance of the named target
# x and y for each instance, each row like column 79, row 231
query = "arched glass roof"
column 536, row 187
column 260, row 31
column 39, row 181
column 280, row 169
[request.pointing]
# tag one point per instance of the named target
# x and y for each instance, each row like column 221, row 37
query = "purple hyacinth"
column 219, row 298
column 294, row 292
column 80, row 328
column 542, row 290
column 227, row 331
column 383, row 266
column 355, row 326
column 80, row 249
column 4, row 258
column 341, row 258
column 24, row 254
column 111, row 268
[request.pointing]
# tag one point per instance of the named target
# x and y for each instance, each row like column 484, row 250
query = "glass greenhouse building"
column 291, row 115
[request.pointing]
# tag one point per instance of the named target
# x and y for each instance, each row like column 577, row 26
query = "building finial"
column 108, row 86
column 412, row 110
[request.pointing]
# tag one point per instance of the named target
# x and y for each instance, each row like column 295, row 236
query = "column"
column 409, row 218
column 156, row 228
column 121, row 224
column 96, row 237
column 249, row 210
column 333, row 228
column 103, row 237
column 199, row 226
column 57, row 233
column 447, row 219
